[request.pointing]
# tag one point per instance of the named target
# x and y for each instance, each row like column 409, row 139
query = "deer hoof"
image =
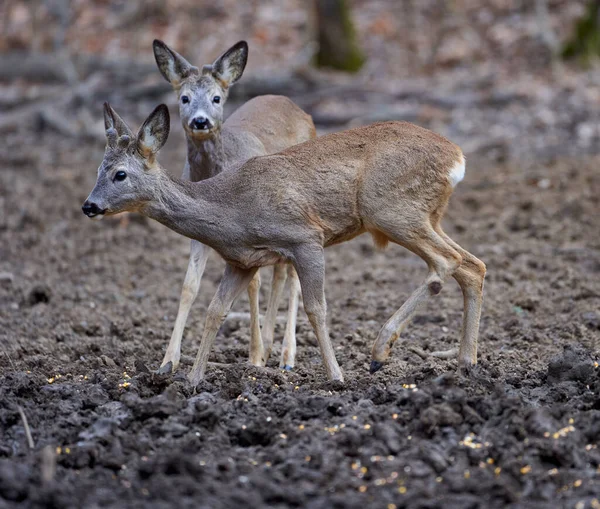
column 167, row 369
column 468, row 370
column 375, row 366
column 287, row 367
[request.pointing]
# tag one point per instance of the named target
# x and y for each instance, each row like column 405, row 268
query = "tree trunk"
column 585, row 43
column 337, row 39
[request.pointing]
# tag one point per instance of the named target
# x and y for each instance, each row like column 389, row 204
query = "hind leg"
column 288, row 349
column 470, row 276
column 442, row 261
column 277, row 285
column 257, row 355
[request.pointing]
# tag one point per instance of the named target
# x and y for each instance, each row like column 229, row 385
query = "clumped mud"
column 86, row 310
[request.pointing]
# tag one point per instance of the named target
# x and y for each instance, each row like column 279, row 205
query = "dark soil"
column 86, row 310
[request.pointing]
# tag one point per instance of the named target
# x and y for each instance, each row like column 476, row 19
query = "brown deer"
column 263, row 125
column 390, row 179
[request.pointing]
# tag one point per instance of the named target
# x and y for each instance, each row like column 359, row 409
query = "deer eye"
column 185, row 99
column 216, row 99
column 120, row 176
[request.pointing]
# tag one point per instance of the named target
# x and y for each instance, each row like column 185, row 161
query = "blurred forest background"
column 489, row 74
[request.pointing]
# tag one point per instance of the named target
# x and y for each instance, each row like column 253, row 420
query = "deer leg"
column 309, row 262
column 470, row 276
column 257, row 356
column 198, row 256
column 235, row 280
column 288, row 349
column 277, row 285
column 443, row 261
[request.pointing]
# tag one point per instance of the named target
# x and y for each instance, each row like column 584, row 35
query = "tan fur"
column 274, row 120
column 381, row 241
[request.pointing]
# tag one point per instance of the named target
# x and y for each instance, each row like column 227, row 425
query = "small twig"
column 240, row 315
column 419, row 352
column 219, row 364
column 48, row 464
column 26, row 426
column 9, row 359
column 445, row 354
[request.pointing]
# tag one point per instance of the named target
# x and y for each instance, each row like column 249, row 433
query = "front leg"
column 309, row 262
column 198, row 256
column 257, row 355
column 235, row 280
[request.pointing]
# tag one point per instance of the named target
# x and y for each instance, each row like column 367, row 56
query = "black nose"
column 200, row 123
column 91, row 209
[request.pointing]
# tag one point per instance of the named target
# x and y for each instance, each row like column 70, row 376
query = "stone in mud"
column 441, row 415
column 14, row 479
column 101, row 429
column 161, row 406
column 434, row 456
column 573, row 364
column 389, row 436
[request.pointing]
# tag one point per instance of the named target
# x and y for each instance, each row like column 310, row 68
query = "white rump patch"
column 457, row 173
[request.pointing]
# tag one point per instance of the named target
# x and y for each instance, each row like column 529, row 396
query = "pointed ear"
column 171, row 64
column 230, row 66
column 154, row 132
column 115, row 126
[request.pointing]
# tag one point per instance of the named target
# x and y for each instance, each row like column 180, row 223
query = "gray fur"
column 263, row 125
column 171, row 64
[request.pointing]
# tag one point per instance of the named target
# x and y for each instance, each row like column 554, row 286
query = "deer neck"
column 187, row 208
column 205, row 157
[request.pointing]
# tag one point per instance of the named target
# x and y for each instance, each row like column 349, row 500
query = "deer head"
column 201, row 93
column 129, row 173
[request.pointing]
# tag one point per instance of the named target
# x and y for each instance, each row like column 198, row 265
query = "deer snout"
column 90, row 209
column 200, row 124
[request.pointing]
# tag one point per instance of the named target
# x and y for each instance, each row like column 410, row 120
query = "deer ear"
column 171, row 64
column 115, row 126
column 154, row 132
column 230, row 66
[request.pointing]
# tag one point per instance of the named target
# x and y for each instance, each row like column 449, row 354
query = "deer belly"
column 258, row 257
column 343, row 235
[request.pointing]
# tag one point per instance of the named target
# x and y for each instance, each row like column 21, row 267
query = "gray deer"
column 263, row 125
column 390, row 179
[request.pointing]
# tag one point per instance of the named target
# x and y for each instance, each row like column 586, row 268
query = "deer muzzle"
column 200, row 124
column 92, row 210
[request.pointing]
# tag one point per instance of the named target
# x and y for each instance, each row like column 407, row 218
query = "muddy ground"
column 86, row 310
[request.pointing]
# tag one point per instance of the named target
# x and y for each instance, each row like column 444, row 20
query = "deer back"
column 272, row 120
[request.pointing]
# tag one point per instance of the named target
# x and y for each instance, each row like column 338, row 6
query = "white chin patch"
column 97, row 217
column 457, row 173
